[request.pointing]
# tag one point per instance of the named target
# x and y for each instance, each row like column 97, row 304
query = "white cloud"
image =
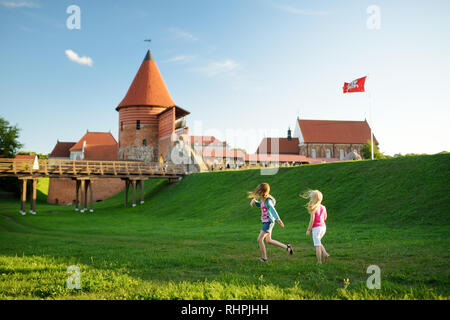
column 214, row 68
column 180, row 58
column 73, row 56
column 19, row 4
column 183, row 34
column 295, row 10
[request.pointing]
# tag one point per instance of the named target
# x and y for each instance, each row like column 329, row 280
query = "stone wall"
column 131, row 142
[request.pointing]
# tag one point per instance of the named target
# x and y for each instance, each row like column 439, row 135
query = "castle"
column 149, row 120
column 151, row 128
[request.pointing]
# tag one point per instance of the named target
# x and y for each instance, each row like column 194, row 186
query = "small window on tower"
column 121, row 126
column 144, row 142
column 138, row 124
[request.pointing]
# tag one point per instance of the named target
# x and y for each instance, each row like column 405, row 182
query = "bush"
column 366, row 151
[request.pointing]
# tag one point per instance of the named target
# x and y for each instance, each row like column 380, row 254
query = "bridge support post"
column 91, row 197
column 141, row 187
column 82, row 189
column 173, row 180
column 133, row 182
column 23, row 198
column 86, row 187
column 127, row 185
column 33, row 198
column 77, row 196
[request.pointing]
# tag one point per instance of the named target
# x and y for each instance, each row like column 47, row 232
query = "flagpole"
column 370, row 116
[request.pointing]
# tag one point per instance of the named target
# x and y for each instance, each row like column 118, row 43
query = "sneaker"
column 262, row 260
column 289, row 249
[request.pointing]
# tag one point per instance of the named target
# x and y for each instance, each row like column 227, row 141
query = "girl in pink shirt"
column 318, row 215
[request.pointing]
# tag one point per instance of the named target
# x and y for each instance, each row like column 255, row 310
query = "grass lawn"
column 196, row 239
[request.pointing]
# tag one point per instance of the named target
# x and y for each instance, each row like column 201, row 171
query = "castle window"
column 328, row 153
column 121, row 126
column 313, row 153
column 341, row 154
column 138, row 124
column 144, row 142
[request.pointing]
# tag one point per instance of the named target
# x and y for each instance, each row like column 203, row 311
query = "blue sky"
column 245, row 69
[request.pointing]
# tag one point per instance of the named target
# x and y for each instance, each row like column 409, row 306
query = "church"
column 321, row 140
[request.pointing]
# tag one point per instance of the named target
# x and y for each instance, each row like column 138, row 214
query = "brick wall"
column 131, row 140
column 166, row 122
column 62, row 191
column 321, row 148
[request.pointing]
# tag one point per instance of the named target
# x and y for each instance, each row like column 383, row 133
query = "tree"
column 239, row 149
column 9, row 135
column 366, row 151
column 32, row 153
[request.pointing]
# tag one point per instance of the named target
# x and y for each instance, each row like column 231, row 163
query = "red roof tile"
column 95, row 138
column 99, row 146
column 148, row 87
column 61, row 150
column 285, row 146
column 334, row 131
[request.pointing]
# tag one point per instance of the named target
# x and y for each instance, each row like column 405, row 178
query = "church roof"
column 99, row 146
column 280, row 145
column 95, row 138
column 148, row 87
column 335, row 131
column 61, row 150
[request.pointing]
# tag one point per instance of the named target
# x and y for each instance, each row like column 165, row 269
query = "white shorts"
column 317, row 234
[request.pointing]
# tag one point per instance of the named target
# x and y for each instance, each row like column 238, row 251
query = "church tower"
column 149, row 120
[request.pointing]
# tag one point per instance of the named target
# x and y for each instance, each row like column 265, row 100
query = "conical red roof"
column 148, row 87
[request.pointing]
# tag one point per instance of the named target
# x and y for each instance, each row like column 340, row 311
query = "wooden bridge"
column 85, row 172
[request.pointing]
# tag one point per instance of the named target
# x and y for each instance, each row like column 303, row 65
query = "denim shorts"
column 267, row 226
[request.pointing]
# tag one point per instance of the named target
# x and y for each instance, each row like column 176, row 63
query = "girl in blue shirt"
column 268, row 217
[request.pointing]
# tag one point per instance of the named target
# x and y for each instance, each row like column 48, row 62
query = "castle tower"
column 149, row 120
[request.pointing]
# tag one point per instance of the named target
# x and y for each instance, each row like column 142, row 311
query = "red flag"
column 355, row 86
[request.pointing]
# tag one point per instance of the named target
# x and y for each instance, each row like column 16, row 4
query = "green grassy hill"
column 196, row 239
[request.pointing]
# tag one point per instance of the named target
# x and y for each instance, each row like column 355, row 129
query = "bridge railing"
column 52, row 167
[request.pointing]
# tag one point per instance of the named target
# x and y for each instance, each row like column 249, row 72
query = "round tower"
column 139, row 114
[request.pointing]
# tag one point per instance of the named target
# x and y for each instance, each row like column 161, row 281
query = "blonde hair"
column 261, row 191
column 315, row 199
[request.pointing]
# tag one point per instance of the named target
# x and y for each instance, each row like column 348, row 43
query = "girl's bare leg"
column 262, row 246
column 269, row 240
column 325, row 253
column 319, row 254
